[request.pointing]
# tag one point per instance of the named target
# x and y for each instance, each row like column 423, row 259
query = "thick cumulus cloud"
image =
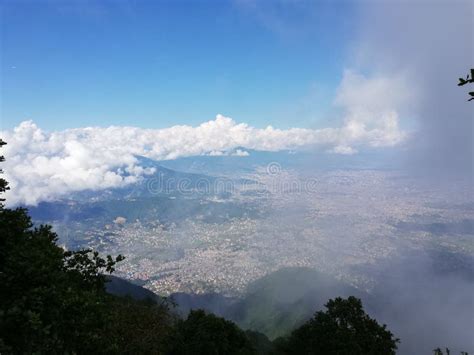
column 46, row 165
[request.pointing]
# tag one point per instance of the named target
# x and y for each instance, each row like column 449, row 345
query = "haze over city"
column 229, row 148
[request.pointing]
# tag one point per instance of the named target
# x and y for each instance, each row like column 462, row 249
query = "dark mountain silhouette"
column 124, row 288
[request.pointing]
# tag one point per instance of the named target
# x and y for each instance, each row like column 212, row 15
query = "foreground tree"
column 203, row 333
column 344, row 328
column 468, row 80
column 139, row 327
column 3, row 183
column 54, row 301
column 51, row 300
column 438, row 351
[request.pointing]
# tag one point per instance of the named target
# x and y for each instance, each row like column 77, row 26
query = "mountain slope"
column 274, row 304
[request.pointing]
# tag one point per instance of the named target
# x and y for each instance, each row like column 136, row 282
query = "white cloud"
column 433, row 44
column 216, row 153
column 240, row 153
column 372, row 106
column 46, row 165
column 343, row 149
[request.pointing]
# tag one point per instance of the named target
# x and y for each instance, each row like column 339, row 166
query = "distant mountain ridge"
column 166, row 195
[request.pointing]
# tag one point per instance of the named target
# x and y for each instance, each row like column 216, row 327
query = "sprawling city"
column 237, row 177
column 339, row 220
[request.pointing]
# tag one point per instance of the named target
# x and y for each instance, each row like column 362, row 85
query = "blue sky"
column 160, row 63
column 330, row 76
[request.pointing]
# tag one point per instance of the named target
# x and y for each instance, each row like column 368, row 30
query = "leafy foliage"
column 468, row 80
column 344, row 328
column 54, row 301
column 51, row 300
column 260, row 343
column 203, row 333
column 138, row 327
column 438, row 351
column 3, row 182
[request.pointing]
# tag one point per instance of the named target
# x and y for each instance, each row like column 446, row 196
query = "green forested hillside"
column 279, row 302
column 274, row 304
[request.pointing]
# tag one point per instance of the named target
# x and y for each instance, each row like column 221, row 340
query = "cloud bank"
column 433, row 44
column 46, row 165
